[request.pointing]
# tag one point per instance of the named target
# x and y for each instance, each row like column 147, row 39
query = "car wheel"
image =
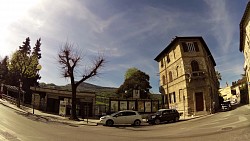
column 137, row 122
column 109, row 123
column 176, row 119
column 157, row 121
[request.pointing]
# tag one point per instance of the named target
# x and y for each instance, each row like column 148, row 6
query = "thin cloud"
column 221, row 23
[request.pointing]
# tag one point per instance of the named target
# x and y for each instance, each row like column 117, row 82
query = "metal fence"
column 9, row 98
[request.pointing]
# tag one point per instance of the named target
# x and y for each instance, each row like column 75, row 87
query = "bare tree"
column 70, row 59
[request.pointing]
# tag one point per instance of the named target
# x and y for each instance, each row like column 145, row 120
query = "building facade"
column 245, row 43
column 50, row 100
column 188, row 79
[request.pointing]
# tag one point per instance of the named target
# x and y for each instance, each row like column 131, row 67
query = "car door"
column 164, row 116
column 130, row 117
column 119, row 118
column 167, row 115
column 172, row 114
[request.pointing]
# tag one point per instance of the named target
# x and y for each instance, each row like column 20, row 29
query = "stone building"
column 188, row 79
column 245, row 43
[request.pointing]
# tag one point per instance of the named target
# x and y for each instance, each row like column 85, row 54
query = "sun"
column 12, row 11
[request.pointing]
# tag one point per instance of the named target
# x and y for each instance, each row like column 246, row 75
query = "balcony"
column 198, row 75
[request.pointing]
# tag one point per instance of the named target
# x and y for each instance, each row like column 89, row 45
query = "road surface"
column 225, row 126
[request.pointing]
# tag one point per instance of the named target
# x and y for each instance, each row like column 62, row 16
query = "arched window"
column 177, row 73
column 195, row 66
column 170, row 76
column 163, row 80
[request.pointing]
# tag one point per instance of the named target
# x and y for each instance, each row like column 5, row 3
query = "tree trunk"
column 73, row 107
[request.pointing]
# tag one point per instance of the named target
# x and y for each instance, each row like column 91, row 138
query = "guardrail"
column 9, row 98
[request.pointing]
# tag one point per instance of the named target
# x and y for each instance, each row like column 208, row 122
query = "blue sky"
column 129, row 33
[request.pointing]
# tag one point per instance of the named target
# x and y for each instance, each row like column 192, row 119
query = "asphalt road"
column 225, row 126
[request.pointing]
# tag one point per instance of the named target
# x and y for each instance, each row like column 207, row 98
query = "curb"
column 48, row 119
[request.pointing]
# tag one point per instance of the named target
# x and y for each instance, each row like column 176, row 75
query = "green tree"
column 4, row 69
column 23, row 67
column 69, row 61
column 130, row 72
column 37, row 50
column 218, row 75
column 25, row 48
column 137, row 81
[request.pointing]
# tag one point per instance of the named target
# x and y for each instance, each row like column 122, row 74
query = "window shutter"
column 185, row 48
column 196, row 46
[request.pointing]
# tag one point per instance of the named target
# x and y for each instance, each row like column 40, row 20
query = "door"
column 120, row 118
column 199, row 101
column 166, row 115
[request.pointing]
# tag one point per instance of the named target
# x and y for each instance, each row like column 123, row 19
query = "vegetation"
column 130, row 72
column 22, row 68
column 69, row 60
column 137, row 81
column 218, row 75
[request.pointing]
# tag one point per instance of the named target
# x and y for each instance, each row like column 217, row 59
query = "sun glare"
column 11, row 11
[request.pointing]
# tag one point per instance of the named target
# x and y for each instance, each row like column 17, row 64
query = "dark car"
column 226, row 106
column 164, row 115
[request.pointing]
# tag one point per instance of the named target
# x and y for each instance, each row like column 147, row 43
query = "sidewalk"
column 46, row 117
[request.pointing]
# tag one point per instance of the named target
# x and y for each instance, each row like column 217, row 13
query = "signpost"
column 136, row 94
column 62, row 108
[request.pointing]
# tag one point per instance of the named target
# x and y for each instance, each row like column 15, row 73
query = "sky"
column 127, row 33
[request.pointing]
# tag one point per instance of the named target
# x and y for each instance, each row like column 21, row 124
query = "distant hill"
column 100, row 91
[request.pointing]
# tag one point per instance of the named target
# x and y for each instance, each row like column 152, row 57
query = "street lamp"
column 38, row 68
column 19, row 92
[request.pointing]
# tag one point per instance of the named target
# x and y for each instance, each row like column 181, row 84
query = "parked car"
column 226, row 106
column 122, row 117
column 164, row 115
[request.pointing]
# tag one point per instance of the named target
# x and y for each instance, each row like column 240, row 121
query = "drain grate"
column 227, row 128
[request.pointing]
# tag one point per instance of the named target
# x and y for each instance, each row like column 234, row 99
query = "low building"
column 240, row 89
column 228, row 93
column 59, row 101
column 188, row 80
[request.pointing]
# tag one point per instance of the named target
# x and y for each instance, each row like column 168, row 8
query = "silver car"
column 122, row 117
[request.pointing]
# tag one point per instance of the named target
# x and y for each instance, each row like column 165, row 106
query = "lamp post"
column 19, row 93
column 38, row 68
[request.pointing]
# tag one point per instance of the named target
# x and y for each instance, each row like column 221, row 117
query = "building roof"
column 168, row 48
column 61, row 92
column 243, row 19
column 14, row 89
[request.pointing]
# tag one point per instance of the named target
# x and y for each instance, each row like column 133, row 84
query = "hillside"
column 100, row 91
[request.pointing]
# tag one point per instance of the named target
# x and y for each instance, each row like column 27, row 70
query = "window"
column 174, row 53
column 172, row 98
column 129, row 113
column 163, row 80
column 190, row 47
column 168, row 59
column 162, row 63
column 170, row 77
column 195, row 66
column 165, row 112
column 180, row 94
column 177, row 74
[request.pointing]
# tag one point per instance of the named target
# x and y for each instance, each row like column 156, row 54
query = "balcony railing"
column 198, row 75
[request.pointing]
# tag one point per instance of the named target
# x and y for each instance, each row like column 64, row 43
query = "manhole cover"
column 7, row 135
column 227, row 128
